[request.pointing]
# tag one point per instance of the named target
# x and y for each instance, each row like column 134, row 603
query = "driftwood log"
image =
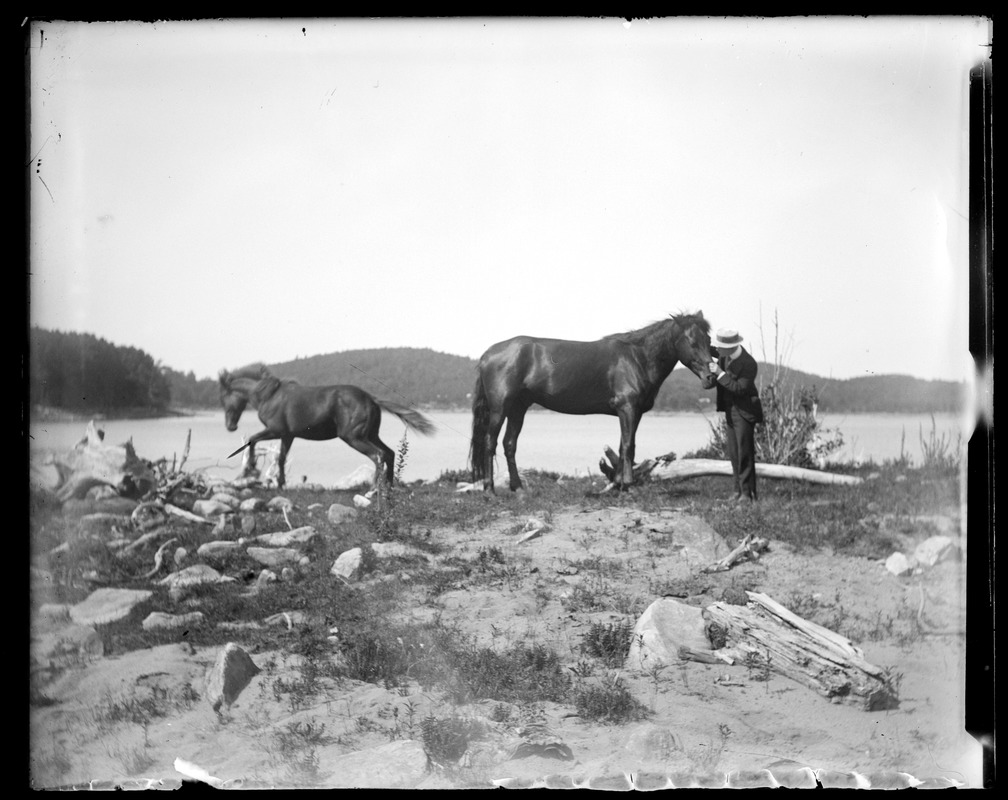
column 765, row 634
column 92, row 462
column 664, row 468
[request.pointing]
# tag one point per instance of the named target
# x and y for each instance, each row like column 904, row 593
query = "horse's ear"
column 222, row 376
column 263, row 372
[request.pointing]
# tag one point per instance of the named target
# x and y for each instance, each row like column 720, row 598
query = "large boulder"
column 230, row 674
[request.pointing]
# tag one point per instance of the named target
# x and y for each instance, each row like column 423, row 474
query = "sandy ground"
column 588, row 566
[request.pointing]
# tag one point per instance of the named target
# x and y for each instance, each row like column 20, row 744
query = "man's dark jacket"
column 737, row 387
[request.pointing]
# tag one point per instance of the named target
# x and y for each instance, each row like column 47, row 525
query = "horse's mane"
column 682, row 320
column 266, row 383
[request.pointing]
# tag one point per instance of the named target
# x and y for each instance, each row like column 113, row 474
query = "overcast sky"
column 217, row 193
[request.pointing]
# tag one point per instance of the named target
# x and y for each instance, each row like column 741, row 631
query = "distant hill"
column 425, row 377
column 81, row 372
column 415, row 375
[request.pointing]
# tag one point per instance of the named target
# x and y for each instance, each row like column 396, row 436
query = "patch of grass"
column 141, row 708
column 609, row 642
column 295, row 748
column 445, row 740
column 609, row 702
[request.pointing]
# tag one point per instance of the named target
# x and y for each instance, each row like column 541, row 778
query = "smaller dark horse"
column 290, row 411
column 618, row 374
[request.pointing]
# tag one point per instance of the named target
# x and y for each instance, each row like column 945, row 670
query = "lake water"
column 570, row 445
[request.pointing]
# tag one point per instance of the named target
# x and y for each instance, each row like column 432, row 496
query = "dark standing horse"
column 619, row 375
column 289, row 411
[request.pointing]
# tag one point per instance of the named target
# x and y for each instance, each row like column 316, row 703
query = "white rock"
column 338, row 512
column 209, row 508
column 217, row 550
column 664, row 626
column 274, row 556
column 348, row 564
column 361, row 501
column 191, row 576
column 227, row 499
column 107, row 605
column 899, row 564
column 937, row 548
column 159, row 620
column 297, row 536
column 362, row 476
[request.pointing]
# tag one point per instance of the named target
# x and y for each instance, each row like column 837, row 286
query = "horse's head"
column 693, row 347
column 233, row 402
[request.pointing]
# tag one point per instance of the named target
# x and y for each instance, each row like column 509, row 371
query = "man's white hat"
column 727, row 337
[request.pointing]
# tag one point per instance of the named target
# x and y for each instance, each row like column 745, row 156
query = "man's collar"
column 734, row 354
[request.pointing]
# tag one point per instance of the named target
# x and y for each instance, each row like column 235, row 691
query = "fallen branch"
column 158, row 557
column 696, row 467
column 185, row 452
column 140, row 541
column 187, row 515
column 749, row 549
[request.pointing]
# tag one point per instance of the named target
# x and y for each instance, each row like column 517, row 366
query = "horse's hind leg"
column 496, row 420
column 379, row 453
column 515, row 420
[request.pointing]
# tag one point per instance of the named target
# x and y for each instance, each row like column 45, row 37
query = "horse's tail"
column 480, row 424
column 413, row 419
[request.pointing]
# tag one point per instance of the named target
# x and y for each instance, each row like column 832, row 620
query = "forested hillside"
column 80, row 372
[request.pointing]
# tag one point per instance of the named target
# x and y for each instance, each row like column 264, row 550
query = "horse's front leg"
column 629, row 420
column 285, row 445
column 250, row 462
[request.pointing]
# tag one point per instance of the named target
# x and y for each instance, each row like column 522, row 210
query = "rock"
column 227, row 499
column 252, row 504
column 279, row 504
column 209, row 508
column 107, row 605
column 899, row 564
column 664, row 627
column 191, row 576
column 274, row 556
column 364, row 475
column 232, row 672
column 217, row 551
column 287, row 574
column 348, row 564
column 338, row 513
column 248, row 524
column 937, row 548
column 266, row 576
column 159, row 620
column 361, row 501
column 180, row 556
column 297, row 536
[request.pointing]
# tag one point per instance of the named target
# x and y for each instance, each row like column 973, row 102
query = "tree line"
column 80, row 372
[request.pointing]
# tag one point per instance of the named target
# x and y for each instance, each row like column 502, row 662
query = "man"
column 738, row 398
